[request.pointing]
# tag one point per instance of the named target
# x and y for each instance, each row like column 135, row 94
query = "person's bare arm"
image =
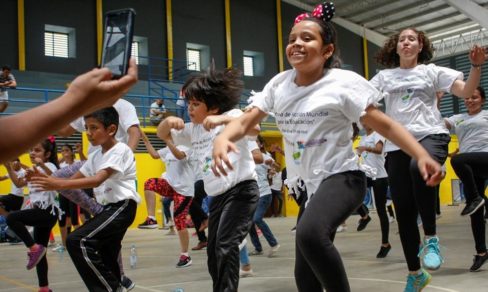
column 18, row 181
column 66, row 131
column 150, row 149
column 213, row 121
column 77, row 181
column 463, row 89
column 176, row 152
column 87, row 93
column 134, row 137
column 377, row 149
column 164, row 128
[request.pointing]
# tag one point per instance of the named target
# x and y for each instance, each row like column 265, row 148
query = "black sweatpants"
column 230, row 219
column 318, row 264
column 380, row 187
column 412, row 196
column 472, row 169
column 95, row 246
column 196, row 212
column 43, row 221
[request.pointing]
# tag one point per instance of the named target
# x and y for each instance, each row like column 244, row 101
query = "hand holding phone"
column 117, row 41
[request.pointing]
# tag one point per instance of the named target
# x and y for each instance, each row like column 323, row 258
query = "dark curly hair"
column 389, row 58
column 218, row 89
column 482, row 92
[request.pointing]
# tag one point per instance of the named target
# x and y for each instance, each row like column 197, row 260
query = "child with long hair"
column 314, row 105
column 43, row 213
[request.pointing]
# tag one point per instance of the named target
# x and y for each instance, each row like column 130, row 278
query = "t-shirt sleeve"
column 182, row 137
column 114, row 161
column 264, row 100
column 378, row 138
column 163, row 152
column 87, row 168
column 444, row 77
column 252, row 145
column 358, row 95
column 128, row 116
column 451, row 121
column 78, row 124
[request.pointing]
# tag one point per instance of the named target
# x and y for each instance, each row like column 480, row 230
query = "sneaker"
column 245, row 274
column 35, row 256
column 416, row 283
column 59, row 248
column 383, row 251
column 362, row 223
column 473, row 206
column 127, row 283
column 200, row 245
column 256, row 252
column 478, row 261
column 148, row 224
column 273, row 250
column 391, row 219
column 184, row 262
column 341, row 228
column 431, row 254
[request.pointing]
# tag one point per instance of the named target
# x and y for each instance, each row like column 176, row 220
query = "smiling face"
column 474, row 103
column 409, row 45
column 198, row 111
column 305, row 50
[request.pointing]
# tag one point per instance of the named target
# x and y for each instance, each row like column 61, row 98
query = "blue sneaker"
column 416, row 283
column 431, row 254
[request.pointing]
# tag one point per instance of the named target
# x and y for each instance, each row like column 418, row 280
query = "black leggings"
column 318, row 264
column 196, row 212
column 380, row 187
column 412, row 196
column 472, row 169
column 43, row 221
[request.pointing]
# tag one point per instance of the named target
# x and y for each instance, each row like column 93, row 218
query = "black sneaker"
column 478, row 261
column 473, row 206
column 148, row 224
column 184, row 262
column 127, row 283
column 363, row 223
column 383, row 251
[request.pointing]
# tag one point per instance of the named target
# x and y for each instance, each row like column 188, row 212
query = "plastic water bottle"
column 133, row 257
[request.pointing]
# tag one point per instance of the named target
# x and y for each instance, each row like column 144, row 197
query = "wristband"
column 475, row 65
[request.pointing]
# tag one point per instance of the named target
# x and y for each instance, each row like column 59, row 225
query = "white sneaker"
column 273, row 249
column 245, row 274
column 341, row 228
column 391, row 219
column 59, row 247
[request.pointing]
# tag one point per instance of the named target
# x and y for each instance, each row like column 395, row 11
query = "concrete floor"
column 158, row 254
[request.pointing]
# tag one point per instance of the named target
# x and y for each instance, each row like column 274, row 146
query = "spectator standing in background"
column 7, row 80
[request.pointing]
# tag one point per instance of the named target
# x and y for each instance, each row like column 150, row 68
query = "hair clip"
column 324, row 12
column 51, row 139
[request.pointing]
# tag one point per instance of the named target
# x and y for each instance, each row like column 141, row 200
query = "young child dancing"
column 212, row 96
column 111, row 171
column 42, row 215
column 314, row 105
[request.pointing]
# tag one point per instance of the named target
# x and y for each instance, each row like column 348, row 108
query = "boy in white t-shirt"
column 111, row 171
column 212, row 96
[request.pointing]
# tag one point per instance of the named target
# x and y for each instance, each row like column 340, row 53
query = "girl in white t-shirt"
column 471, row 166
column 14, row 200
column 410, row 87
column 43, row 213
column 314, row 105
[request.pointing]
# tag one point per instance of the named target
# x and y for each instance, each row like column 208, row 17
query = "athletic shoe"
column 431, row 254
column 256, row 252
column 473, row 206
column 171, row 231
column 416, row 283
column 362, row 223
column 59, row 248
column 391, row 219
column 127, row 283
column 245, row 274
column 341, row 228
column 35, row 256
column 478, row 261
column 184, row 262
column 200, row 245
column 383, row 251
column 148, row 224
column 273, row 250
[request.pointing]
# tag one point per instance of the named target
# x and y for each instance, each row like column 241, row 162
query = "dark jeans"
column 196, row 211
column 230, row 220
column 43, row 221
column 263, row 205
column 318, row 264
column 472, row 169
column 279, row 196
column 412, row 196
column 95, row 246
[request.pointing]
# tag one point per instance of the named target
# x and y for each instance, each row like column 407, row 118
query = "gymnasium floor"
column 158, row 253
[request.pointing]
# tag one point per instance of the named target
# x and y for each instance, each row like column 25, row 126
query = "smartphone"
column 117, row 41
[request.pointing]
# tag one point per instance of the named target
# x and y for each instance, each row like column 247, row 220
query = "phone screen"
column 118, row 41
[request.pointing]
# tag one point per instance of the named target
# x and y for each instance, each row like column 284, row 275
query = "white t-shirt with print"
column 42, row 199
column 127, row 118
column 316, row 121
column 411, row 97
column 179, row 173
column 471, row 130
column 373, row 160
column 201, row 142
column 14, row 190
column 121, row 185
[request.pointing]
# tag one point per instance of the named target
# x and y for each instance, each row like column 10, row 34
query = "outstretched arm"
column 463, row 89
column 77, row 181
column 87, row 93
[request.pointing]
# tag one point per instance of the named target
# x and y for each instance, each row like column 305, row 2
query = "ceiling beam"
column 472, row 10
column 372, row 36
